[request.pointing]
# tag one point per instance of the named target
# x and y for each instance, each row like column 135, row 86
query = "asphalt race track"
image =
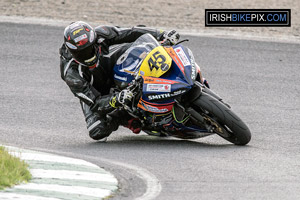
column 260, row 80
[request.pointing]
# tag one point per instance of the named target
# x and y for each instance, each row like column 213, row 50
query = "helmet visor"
column 87, row 56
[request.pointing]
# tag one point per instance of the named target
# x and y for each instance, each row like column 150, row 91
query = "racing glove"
column 122, row 98
column 172, row 37
column 101, row 105
column 106, row 104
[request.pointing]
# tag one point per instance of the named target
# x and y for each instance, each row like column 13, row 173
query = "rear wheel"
column 222, row 119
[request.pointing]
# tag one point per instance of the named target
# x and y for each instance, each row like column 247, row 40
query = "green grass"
column 12, row 170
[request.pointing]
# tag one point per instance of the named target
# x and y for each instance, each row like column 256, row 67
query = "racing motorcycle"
column 170, row 98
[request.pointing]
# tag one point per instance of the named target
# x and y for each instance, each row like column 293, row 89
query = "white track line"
column 152, row 183
column 52, row 158
column 94, row 192
column 11, row 196
column 73, row 175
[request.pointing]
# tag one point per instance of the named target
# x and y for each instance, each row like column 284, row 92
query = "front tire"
column 231, row 127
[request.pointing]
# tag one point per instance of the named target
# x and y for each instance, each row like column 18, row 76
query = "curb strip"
column 60, row 178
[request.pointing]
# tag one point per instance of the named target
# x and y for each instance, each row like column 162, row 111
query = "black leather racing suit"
column 90, row 84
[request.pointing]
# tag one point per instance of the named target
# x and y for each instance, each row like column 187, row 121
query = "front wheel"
column 223, row 120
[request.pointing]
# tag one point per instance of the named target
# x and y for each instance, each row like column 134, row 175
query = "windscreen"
column 147, row 41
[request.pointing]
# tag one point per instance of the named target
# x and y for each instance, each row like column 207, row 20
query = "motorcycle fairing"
column 176, row 81
column 128, row 63
column 182, row 61
column 166, row 71
column 155, row 108
column 156, row 63
column 161, row 90
column 181, row 131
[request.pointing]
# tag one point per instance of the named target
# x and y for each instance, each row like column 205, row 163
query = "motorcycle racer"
column 87, row 57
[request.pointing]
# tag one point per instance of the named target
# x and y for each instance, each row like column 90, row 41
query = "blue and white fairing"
column 177, row 81
column 182, row 70
column 130, row 61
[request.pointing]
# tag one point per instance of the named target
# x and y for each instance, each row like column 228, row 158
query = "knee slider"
column 97, row 128
column 98, row 133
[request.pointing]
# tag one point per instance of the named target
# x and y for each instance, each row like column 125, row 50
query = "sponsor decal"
column 158, row 80
column 154, row 108
column 166, row 95
column 178, row 92
column 193, row 75
column 158, row 88
column 120, row 77
column 159, row 96
column 148, row 80
column 77, row 31
column 82, row 37
column 182, row 56
column 176, row 59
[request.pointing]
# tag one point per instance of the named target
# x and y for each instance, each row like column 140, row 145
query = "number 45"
column 156, row 61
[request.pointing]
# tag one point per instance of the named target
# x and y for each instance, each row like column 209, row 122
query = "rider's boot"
column 97, row 126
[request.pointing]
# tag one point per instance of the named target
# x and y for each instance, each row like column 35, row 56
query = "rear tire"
column 236, row 130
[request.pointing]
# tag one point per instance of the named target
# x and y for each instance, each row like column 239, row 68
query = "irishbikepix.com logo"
column 248, row 17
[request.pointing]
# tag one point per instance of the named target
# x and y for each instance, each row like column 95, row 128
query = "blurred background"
column 179, row 14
